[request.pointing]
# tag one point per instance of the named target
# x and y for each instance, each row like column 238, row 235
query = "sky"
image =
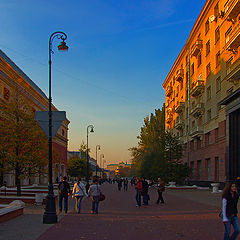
column 120, row 52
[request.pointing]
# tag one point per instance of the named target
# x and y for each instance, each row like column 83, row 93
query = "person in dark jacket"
column 145, row 191
column 229, row 211
column 64, row 192
column 160, row 190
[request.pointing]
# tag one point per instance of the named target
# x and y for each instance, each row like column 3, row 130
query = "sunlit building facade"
column 12, row 78
column 202, row 94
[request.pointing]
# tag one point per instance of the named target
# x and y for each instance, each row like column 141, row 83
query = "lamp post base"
column 50, row 215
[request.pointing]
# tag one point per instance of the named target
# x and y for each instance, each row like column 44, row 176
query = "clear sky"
column 120, row 52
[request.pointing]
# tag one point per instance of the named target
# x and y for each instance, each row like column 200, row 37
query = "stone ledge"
column 10, row 211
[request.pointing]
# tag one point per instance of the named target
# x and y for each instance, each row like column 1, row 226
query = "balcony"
column 180, row 75
column 196, row 47
column 169, row 119
column 198, row 110
column 179, row 125
column 233, row 40
column 169, row 91
column 232, row 10
column 197, row 88
column 233, row 75
column 196, row 131
column 180, row 108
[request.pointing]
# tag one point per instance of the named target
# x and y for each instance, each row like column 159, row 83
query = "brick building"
column 203, row 93
column 12, row 78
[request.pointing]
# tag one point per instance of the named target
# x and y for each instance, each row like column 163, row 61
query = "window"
column 216, row 12
column 216, row 134
column 63, row 132
column 207, row 139
column 218, row 59
column 209, row 93
column 227, row 34
column 208, row 47
column 193, row 124
column 173, row 80
column 217, row 35
column 192, row 69
column 208, row 168
column 198, row 143
column 199, row 169
column 216, row 174
column 218, row 84
column 209, row 115
column 206, row 26
column 229, row 65
column 6, row 94
column 199, row 59
column 208, row 70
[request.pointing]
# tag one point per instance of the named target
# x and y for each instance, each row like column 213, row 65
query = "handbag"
column 101, row 197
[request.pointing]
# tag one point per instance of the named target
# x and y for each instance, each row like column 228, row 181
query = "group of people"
column 78, row 192
column 142, row 186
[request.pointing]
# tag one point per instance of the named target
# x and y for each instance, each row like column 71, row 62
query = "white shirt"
column 79, row 190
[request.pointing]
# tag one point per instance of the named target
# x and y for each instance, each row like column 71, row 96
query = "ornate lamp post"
column 101, row 157
column 97, row 148
column 87, row 177
column 50, row 215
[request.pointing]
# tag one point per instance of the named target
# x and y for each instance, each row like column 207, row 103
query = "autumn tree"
column 23, row 145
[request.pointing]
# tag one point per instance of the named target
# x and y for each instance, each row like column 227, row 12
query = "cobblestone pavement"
column 187, row 214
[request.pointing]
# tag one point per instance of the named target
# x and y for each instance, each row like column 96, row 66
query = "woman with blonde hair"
column 78, row 192
column 229, row 211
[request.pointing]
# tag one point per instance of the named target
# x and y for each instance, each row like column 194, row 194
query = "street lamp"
column 50, row 215
column 101, row 157
column 97, row 148
column 87, row 177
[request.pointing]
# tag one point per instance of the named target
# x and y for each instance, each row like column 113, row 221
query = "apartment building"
column 12, row 78
column 203, row 94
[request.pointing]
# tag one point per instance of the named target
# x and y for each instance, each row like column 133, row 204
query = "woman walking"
column 94, row 193
column 229, row 210
column 78, row 192
column 160, row 190
column 139, row 189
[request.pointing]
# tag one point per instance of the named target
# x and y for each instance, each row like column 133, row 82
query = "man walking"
column 64, row 192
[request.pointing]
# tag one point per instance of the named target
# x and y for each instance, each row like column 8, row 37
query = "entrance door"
column 234, row 145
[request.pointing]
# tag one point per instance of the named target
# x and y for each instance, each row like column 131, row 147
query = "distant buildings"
column 114, row 168
column 12, row 78
column 203, row 94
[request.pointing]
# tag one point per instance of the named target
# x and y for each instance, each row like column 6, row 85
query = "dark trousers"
column 65, row 197
column 125, row 187
column 145, row 198
column 138, row 198
column 95, row 203
column 160, row 197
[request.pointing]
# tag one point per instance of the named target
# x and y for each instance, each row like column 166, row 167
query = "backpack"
column 61, row 188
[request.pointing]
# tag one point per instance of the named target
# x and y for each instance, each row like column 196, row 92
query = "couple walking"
column 78, row 192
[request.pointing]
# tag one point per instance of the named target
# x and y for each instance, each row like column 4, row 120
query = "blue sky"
column 120, row 52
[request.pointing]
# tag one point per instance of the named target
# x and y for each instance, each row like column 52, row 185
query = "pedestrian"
column 138, row 192
column 119, row 181
column 94, row 193
column 64, row 192
column 78, row 193
column 125, row 184
column 160, row 190
column 145, row 191
column 229, row 211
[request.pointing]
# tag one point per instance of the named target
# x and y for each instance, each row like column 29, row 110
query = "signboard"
column 42, row 117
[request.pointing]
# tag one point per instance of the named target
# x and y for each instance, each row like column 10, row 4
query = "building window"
column 216, row 174
column 206, row 26
column 217, row 35
column 216, row 12
column 199, row 167
column 229, row 91
column 192, row 69
column 6, row 94
column 208, row 70
column 209, row 115
column 209, row 93
column 63, row 132
column 207, row 47
column 198, row 143
column 207, row 139
column 227, row 35
column 192, row 145
column 216, row 134
column 218, row 59
column 218, row 84
column 208, row 168
column 229, row 65
column 199, row 59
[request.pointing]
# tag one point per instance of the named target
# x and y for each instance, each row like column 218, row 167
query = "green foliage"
column 77, row 167
column 158, row 152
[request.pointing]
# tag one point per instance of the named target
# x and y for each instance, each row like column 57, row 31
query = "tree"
column 158, row 152
column 77, row 166
column 23, row 145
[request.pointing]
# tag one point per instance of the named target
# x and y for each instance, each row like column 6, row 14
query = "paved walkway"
column 187, row 214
